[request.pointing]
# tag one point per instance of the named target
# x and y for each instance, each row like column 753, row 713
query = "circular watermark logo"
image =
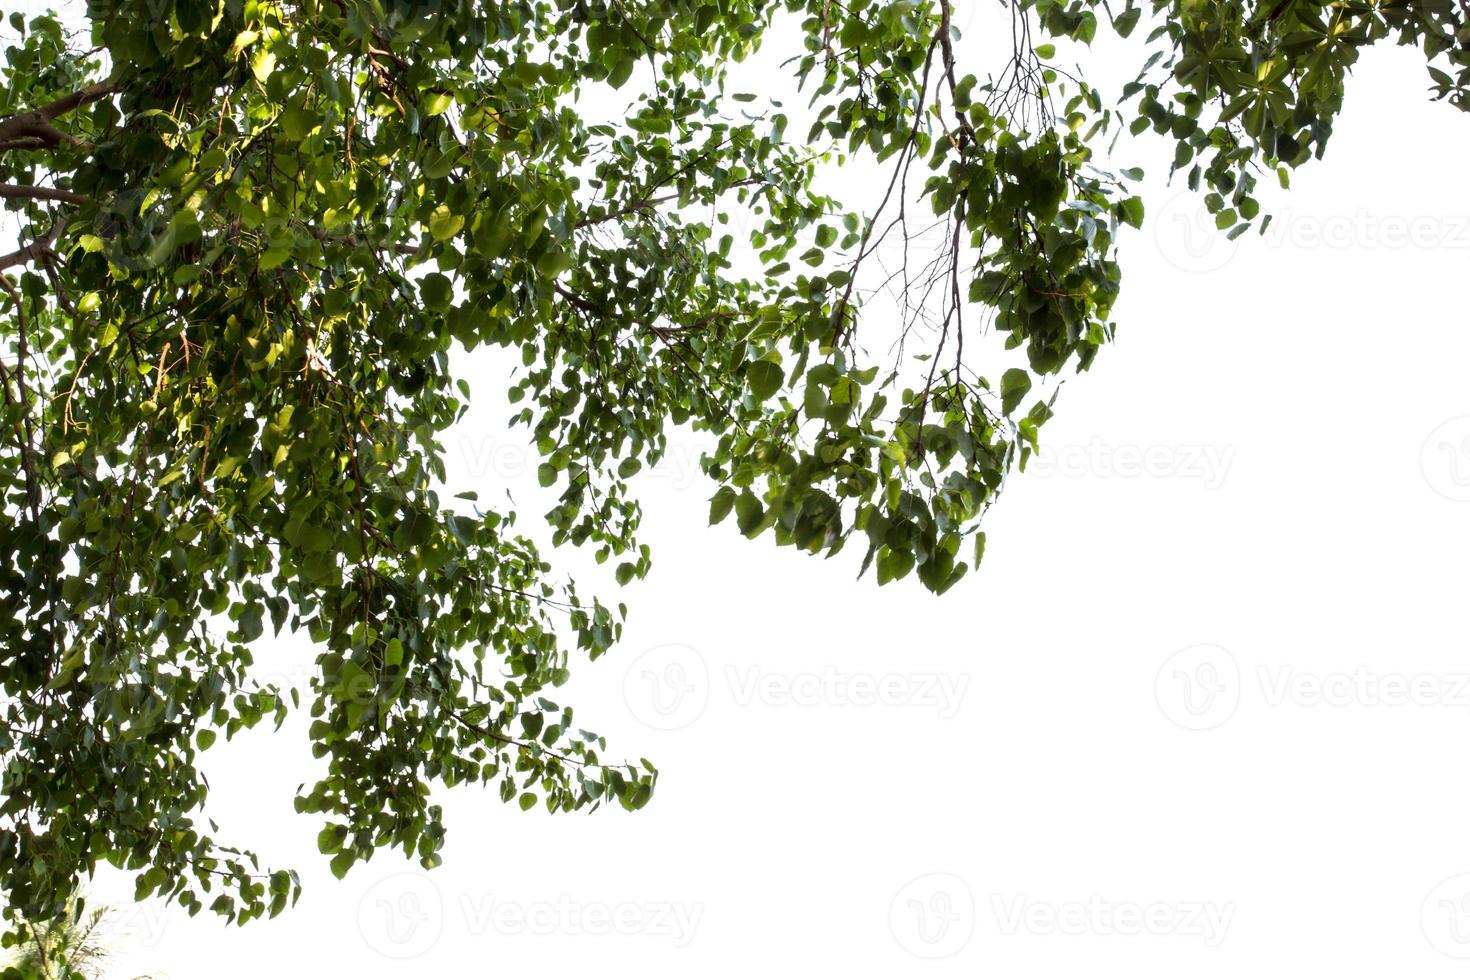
column 402, row 916
column 1445, row 917
column 1445, row 459
column 933, row 916
column 1199, row 687
column 1186, row 236
column 667, row 687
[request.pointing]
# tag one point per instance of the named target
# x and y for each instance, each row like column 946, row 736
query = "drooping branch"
column 650, row 203
column 643, row 205
column 864, row 248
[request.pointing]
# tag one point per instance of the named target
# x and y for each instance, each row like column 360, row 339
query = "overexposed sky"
column 1203, row 712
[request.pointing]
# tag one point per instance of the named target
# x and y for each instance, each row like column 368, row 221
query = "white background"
column 1203, row 712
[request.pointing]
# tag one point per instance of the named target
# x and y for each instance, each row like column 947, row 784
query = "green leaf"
column 273, row 257
column 436, row 290
column 748, row 512
column 893, row 565
column 721, row 503
column 330, row 839
column 1132, row 211
column 765, row 378
column 341, row 862
column 444, row 224
column 1014, row 385
column 621, row 71
column 262, row 63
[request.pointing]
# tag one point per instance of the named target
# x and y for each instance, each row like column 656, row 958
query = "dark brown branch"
column 578, row 300
column 648, row 203
column 643, row 205
column 484, row 732
column 34, row 193
column 353, row 241
column 35, row 129
column 38, row 250
column 77, row 99
column 27, row 446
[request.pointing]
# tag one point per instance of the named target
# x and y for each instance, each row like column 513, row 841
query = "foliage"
column 1239, row 86
column 253, row 234
column 66, row 948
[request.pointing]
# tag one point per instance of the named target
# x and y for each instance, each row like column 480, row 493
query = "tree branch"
column 77, row 99
column 37, row 250
column 484, row 732
column 32, row 192
column 35, row 129
column 649, row 203
column 27, row 450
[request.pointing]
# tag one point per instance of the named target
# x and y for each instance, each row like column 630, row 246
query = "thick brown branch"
column 77, row 99
column 34, row 129
column 23, row 143
column 34, row 193
column 578, row 300
column 37, row 250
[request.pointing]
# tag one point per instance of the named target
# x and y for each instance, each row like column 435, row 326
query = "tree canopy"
column 254, row 234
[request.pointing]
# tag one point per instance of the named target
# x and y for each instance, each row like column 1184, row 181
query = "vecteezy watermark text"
column 1205, row 464
column 404, row 915
column 670, row 686
column 565, row 916
column 1187, row 237
column 840, row 688
column 1200, row 687
column 1099, row 916
column 935, row 915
